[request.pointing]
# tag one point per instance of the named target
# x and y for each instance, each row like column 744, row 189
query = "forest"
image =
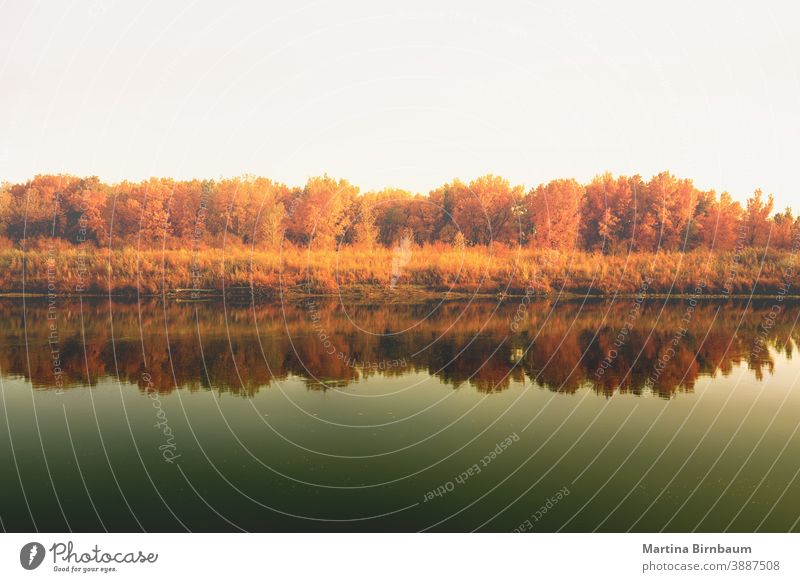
column 68, row 234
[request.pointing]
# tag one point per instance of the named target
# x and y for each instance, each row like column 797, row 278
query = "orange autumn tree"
column 554, row 212
column 665, row 214
column 320, row 212
column 784, row 233
column 189, row 211
column 446, row 198
column 36, row 208
column 365, row 234
column 251, row 210
column 392, row 210
column 424, row 218
column 484, row 211
column 608, row 220
column 141, row 212
column 717, row 223
column 64, row 207
column 757, row 225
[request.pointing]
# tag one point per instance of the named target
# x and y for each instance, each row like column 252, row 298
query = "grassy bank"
column 383, row 272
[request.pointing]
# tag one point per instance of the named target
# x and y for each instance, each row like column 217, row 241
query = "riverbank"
column 383, row 274
column 409, row 296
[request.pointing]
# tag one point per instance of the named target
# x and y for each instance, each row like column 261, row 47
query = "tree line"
column 612, row 215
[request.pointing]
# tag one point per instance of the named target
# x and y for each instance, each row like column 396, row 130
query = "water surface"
column 456, row 416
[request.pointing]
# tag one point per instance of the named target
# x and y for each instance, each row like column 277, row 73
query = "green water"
column 326, row 416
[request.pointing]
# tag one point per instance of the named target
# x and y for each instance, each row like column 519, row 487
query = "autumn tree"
column 35, row 207
column 266, row 212
column 390, row 208
column 141, row 212
column 189, row 210
column 757, row 225
column 554, row 212
column 270, row 224
column 663, row 218
column 485, row 210
column 5, row 208
column 447, row 198
column 250, row 210
column 424, row 216
column 95, row 212
column 320, row 210
column 366, row 231
column 784, row 230
column 608, row 215
column 717, row 223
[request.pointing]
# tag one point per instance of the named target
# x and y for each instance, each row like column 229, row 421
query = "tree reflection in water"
column 243, row 348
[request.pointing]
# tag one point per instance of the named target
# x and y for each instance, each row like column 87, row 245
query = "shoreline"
column 378, row 294
column 432, row 273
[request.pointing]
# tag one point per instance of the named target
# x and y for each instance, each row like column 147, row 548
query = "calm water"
column 608, row 416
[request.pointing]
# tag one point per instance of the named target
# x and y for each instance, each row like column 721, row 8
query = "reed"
column 433, row 267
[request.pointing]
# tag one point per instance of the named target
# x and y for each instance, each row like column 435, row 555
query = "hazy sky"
column 408, row 94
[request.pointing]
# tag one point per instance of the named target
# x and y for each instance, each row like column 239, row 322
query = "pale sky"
column 408, row 94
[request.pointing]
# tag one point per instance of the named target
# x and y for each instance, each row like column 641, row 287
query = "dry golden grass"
column 436, row 267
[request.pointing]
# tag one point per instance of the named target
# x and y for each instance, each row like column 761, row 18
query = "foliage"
column 610, row 215
column 160, row 234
